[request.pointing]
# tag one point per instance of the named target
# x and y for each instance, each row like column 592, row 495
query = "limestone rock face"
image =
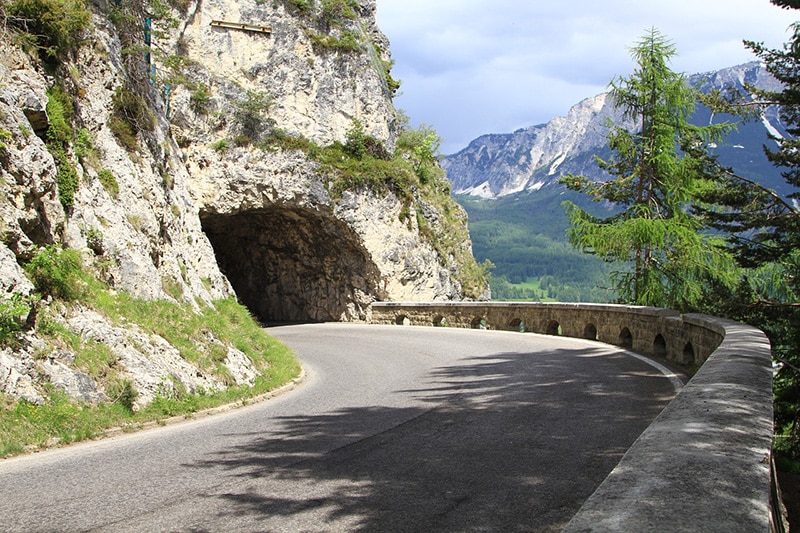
column 18, row 376
column 154, row 366
column 30, row 209
column 193, row 209
column 316, row 91
column 410, row 268
column 290, row 249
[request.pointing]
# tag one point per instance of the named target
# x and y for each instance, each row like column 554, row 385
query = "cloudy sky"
column 471, row 67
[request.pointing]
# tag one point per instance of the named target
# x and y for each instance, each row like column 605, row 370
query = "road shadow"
column 507, row 442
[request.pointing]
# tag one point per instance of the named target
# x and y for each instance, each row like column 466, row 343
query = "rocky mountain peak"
column 498, row 165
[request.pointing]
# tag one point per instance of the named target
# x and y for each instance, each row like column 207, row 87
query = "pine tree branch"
column 775, row 196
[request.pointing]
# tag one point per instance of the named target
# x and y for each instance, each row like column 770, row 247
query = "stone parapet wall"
column 687, row 340
column 704, row 462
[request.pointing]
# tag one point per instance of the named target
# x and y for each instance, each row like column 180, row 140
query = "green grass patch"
column 228, row 322
column 25, row 426
column 109, row 182
column 5, row 138
column 60, row 110
column 348, row 41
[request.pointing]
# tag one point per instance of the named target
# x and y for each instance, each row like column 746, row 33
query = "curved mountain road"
column 394, row 429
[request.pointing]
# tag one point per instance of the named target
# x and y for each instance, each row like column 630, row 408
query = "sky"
column 471, row 67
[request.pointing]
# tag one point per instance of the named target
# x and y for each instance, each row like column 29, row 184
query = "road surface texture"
column 394, row 429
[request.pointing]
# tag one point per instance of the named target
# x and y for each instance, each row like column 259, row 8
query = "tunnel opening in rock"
column 290, row 264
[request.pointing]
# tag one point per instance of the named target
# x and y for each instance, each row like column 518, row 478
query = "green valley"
column 524, row 236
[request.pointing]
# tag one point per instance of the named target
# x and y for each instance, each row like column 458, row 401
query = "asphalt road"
column 394, row 429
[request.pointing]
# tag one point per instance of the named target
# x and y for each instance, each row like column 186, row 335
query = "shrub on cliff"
column 59, row 136
column 303, row 7
column 52, row 27
column 250, row 116
column 56, row 273
column 14, row 309
column 131, row 115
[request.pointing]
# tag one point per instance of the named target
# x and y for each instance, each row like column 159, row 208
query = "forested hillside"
column 524, row 236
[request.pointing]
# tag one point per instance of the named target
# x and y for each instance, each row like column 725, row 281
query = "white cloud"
column 471, row 66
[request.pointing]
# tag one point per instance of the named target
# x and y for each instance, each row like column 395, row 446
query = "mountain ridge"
column 496, row 165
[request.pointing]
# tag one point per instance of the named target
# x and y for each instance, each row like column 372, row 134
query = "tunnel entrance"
column 293, row 264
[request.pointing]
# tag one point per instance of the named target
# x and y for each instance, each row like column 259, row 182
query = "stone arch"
column 402, row 320
column 553, row 328
column 660, row 346
column 479, row 322
column 625, row 339
column 439, row 321
column 688, row 354
column 294, row 264
column 590, row 332
column 517, row 325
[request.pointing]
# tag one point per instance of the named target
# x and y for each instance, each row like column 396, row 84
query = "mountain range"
column 497, row 165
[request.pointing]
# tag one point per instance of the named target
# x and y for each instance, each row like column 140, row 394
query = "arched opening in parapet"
column 660, row 346
column 590, row 332
column 402, row 320
column 517, row 325
column 553, row 328
column 625, row 339
column 439, row 321
column 293, row 264
column 688, row 354
column 478, row 323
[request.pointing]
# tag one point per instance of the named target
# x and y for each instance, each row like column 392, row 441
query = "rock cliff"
column 195, row 134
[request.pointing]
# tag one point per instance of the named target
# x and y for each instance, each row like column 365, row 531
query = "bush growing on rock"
column 59, row 136
column 56, row 273
column 52, row 27
column 334, row 11
column 123, row 392
column 131, row 116
column 250, row 116
column 13, row 311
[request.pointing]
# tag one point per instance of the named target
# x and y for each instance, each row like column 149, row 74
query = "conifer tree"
column 763, row 231
column 657, row 169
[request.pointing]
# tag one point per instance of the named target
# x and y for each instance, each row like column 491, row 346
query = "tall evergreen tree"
column 764, row 233
column 658, row 167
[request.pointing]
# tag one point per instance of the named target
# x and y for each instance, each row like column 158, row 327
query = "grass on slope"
column 26, row 427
